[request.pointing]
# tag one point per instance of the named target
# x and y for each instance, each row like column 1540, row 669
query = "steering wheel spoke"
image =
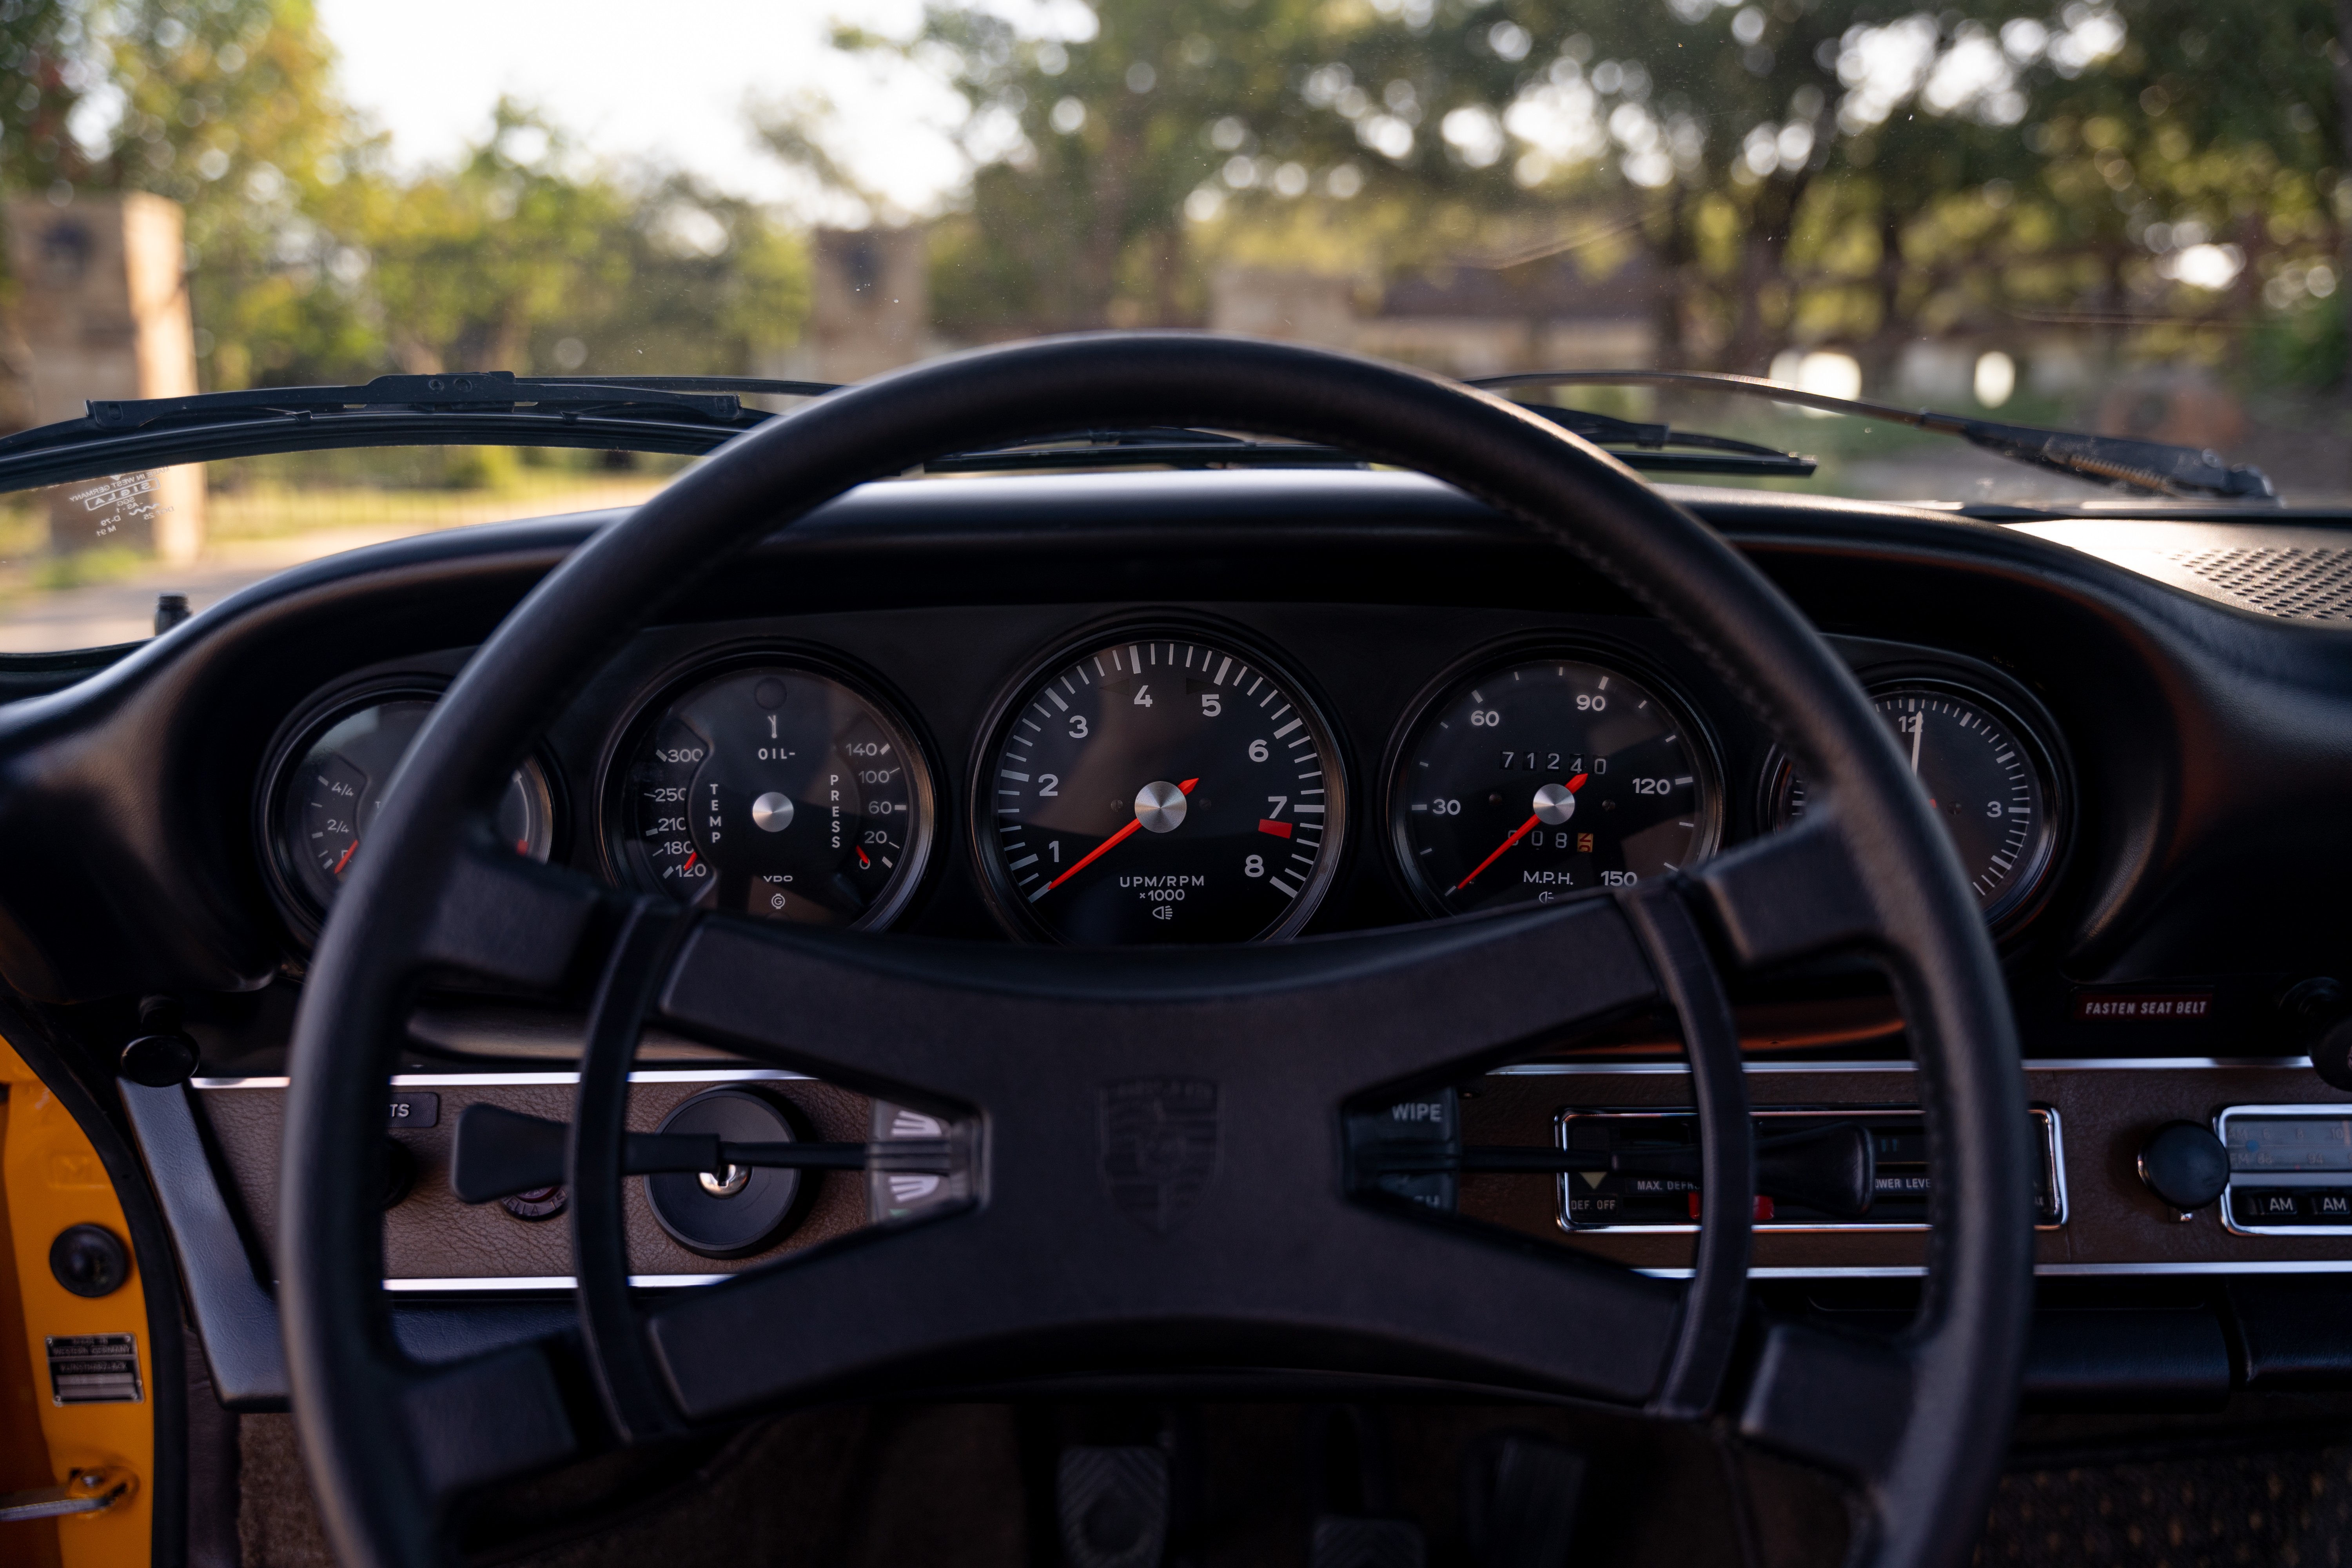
column 502, row 918
column 1310, row 1284
column 1316, row 1021
column 1794, row 894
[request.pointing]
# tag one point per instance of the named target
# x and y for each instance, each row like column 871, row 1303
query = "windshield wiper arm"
column 685, row 414
column 2158, row 467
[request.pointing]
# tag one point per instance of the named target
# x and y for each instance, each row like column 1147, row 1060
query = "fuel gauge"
column 329, row 794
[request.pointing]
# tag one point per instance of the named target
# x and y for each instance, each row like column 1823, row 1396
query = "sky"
column 430, row 70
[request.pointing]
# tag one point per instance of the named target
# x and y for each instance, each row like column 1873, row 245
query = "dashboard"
column 1144, row 709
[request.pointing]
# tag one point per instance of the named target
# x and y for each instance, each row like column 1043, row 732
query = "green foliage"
column 314, row 260
column 1754, row 155
column 43, row 62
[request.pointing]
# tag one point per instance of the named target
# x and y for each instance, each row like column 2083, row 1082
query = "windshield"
column 2124, row 218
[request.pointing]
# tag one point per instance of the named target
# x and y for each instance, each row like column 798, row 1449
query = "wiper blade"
column 686, row 414
column 1651, row 441
column 2158, row 467
column 472, row 392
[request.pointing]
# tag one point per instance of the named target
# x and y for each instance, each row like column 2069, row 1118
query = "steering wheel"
column 1287, row 1259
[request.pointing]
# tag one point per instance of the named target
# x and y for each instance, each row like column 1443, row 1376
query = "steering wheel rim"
column 1870, row 868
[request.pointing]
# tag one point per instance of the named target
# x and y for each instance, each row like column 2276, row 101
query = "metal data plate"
column 1649, row 1204
column 2290, row 1169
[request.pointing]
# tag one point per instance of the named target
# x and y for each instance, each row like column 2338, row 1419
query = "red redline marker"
column 1279, row 829
column 1529, row 826
column 1103, row 848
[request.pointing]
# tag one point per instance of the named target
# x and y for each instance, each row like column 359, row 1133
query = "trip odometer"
column 1546, row 775
column 1159, row 788
column 775, row 790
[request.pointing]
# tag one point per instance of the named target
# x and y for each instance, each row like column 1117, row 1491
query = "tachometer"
column 775, row 789
column 328, row 795
column 1985, row 772
column 1544, row 775
column 1159, row 788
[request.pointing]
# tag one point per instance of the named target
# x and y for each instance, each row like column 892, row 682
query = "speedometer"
column 1159, row 788
column 776, row 789
column 1534, row 777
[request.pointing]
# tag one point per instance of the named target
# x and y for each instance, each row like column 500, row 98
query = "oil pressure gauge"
column 777, row 789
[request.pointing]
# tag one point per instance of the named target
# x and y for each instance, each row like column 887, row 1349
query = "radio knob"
column 2331, row 1054
column 2185, row 1166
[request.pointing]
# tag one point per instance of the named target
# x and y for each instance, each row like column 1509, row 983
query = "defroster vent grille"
column 2294, row 584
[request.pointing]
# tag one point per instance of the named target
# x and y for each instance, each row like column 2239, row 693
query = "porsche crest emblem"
column 1158, row 1147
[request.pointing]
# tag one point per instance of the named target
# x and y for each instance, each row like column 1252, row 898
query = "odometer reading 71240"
column 1543, row 777
column 1161, row 789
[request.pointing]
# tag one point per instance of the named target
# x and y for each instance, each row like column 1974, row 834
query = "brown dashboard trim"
column 2107, row 1108
column 433, row 1242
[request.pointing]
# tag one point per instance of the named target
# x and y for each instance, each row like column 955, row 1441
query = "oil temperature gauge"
column 775, row 790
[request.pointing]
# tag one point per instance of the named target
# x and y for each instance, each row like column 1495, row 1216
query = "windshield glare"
column 2117, row 216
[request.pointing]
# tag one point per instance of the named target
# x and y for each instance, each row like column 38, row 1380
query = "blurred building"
column 1466, row 319
column 869, row 305
column 102, row 312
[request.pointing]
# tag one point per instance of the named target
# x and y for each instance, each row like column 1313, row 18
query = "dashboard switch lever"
column 502, row 1153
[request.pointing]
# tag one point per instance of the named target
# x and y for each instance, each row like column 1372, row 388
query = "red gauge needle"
column 692, row 856
column 1529, row 826
column 346, row 859
column 1103, row 848
column 862, row 860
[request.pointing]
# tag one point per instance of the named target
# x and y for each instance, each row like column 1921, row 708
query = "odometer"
column 1159, row 788
column 1541, row 777
column 775, row 790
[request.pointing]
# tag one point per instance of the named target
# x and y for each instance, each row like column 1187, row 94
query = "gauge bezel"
column 303, row 915
column 2027, row 719
column 1009, row 909
column 1618, row 658
column 655, row 696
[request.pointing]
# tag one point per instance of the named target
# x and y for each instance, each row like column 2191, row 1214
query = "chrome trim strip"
column 2041, row 1064
column 2292, row 1266
column 504, row 1079
column 548, row 1282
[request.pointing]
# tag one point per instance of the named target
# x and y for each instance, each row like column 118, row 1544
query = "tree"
column 1828, row 170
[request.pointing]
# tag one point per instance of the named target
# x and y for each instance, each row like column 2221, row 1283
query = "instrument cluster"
column 1174, row 781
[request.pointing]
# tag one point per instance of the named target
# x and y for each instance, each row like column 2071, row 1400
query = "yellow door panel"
column 52, row 1179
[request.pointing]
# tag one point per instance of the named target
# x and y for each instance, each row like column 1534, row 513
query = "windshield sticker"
column 122, row 498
